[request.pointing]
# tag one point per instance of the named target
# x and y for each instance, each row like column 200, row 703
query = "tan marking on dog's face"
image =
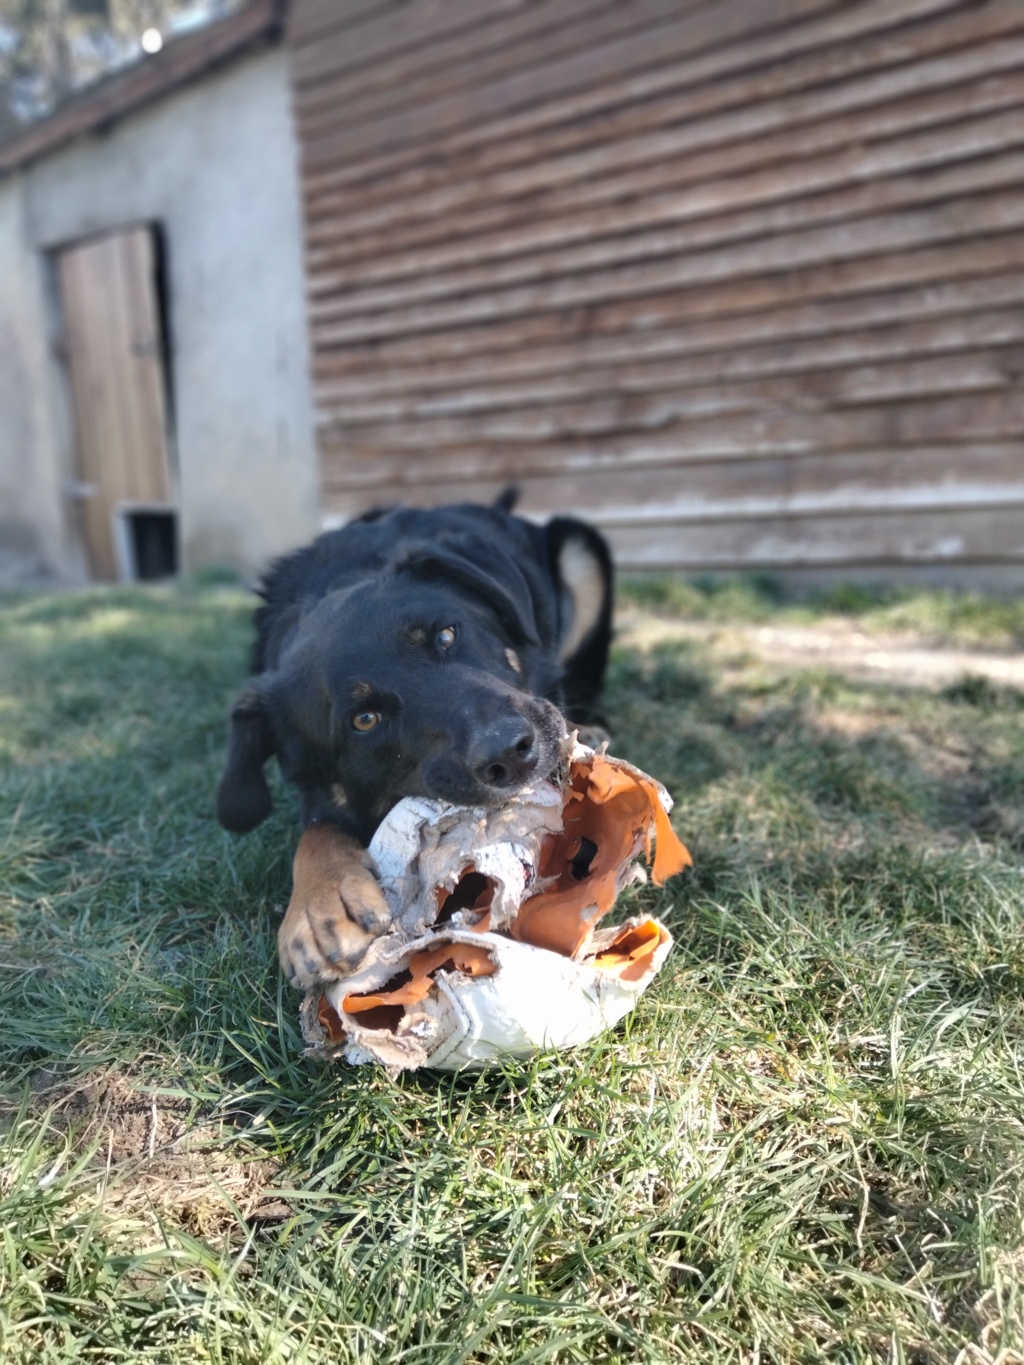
column 513, row 660
column 417, row 636
column 362, row 691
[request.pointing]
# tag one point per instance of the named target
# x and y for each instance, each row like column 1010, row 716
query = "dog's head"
column 424, row 680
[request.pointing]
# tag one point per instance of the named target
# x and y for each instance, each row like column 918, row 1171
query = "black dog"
column 410, row 653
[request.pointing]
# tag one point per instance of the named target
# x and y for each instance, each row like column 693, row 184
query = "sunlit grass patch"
column 806, row 1144
column 940, row 617
column 965, row 617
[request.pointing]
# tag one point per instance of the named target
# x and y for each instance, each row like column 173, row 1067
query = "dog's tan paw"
column 336, row 910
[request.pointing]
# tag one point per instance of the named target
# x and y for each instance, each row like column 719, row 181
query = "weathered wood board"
column 742, row 281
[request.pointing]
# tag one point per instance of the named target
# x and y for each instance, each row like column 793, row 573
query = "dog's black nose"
column 511, row 756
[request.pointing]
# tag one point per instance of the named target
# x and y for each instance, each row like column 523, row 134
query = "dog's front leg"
column 337, row 907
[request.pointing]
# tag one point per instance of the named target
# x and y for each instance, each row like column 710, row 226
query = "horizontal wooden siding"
column 741, row 281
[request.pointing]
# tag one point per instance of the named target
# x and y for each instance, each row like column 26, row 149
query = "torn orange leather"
column 330, row 1021
column 635, row 947
column 459, row 957
column 609, row 808
column 473, row 892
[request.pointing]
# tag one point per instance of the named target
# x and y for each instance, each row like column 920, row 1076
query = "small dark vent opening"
column 153, row 543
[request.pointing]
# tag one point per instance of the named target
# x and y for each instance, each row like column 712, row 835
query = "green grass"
column 806, row 1144
column 969, row 620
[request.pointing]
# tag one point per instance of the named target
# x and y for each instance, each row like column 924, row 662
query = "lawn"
column 807, row 1144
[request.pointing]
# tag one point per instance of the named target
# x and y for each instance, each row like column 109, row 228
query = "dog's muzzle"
column 502, row 755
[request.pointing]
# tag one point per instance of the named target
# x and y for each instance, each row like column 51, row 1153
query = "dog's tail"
column 507, row 498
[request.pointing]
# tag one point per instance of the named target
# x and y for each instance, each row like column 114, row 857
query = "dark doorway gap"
column 152, row 545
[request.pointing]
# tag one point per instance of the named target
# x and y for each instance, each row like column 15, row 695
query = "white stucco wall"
column 215, row 164
column 34, row 538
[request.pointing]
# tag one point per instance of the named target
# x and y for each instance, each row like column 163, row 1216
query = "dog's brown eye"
column 365, row 720
column 446, row 637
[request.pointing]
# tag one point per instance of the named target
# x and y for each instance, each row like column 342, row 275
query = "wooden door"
column 108, row 295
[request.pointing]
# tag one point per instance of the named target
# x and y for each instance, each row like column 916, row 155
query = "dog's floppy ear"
column 582, row 566
column 243, row 797
column 512, row 605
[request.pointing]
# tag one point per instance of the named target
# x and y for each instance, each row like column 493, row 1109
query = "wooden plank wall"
column 741, row 280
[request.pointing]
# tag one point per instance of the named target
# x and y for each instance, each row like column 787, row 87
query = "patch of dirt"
column 997, row 1315
column 996, row 820
column 155, row 1156
column 837, row 645
column 132, row 1124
